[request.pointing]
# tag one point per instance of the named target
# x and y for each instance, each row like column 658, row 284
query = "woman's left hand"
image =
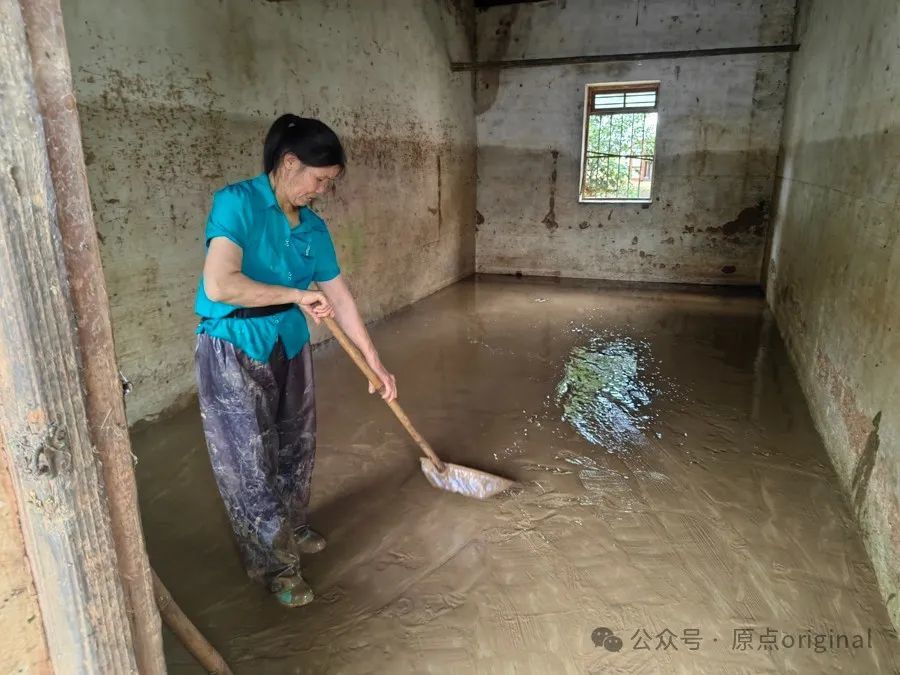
column 389, row 392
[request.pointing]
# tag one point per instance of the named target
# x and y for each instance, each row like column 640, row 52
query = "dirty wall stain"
column 550, row 219
column 354, row 239
column 751, row 220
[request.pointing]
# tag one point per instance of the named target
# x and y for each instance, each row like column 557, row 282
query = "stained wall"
column 717, row 140
column 175, row 99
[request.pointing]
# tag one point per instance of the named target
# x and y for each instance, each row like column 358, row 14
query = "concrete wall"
column 834, row 275
column 717, row 142
column 175, row 98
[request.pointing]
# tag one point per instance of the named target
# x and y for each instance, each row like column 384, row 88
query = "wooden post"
column 56, row 472
column 105, row 408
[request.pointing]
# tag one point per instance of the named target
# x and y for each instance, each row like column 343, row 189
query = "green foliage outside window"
column 619, row 155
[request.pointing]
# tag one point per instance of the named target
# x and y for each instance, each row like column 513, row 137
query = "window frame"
column 614, row 87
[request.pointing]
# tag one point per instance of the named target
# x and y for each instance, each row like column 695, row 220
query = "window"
column 619, row 142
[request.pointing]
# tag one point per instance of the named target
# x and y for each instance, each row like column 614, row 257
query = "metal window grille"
column 620, row 142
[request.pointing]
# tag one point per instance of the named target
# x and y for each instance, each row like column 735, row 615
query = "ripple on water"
column 606, row 390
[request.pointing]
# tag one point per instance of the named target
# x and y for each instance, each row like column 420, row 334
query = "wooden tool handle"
column 360, row 361
column 187, row 632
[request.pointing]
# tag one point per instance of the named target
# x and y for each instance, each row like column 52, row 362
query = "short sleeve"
column 226, row 218
column 327, row 267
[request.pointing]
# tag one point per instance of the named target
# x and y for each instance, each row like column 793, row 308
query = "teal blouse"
column 248, row 214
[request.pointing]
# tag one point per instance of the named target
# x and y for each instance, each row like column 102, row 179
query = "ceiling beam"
column 483, row 4
column 633, row 56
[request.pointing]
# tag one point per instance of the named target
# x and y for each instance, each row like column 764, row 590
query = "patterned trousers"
column 259, row 419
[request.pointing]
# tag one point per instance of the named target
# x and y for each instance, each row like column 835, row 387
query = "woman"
column 254, row 370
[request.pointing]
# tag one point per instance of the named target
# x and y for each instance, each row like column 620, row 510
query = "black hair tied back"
column 312, row 141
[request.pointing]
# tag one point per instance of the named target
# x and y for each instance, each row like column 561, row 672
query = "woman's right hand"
column 316, row 305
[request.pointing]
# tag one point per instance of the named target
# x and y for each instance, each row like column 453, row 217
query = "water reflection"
column 606, row 389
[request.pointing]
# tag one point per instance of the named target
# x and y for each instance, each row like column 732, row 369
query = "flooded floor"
column 676, row 510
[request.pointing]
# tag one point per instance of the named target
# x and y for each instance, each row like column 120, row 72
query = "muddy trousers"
column 259, row 419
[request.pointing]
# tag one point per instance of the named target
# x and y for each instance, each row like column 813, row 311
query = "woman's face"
column 300, row 184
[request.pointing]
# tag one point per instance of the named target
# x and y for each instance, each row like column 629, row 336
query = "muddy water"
column 677, row 512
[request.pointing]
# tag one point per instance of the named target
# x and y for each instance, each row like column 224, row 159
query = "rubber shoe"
column 292, row 591
column 308, row 541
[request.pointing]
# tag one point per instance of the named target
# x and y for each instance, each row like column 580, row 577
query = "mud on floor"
column 677, row 512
